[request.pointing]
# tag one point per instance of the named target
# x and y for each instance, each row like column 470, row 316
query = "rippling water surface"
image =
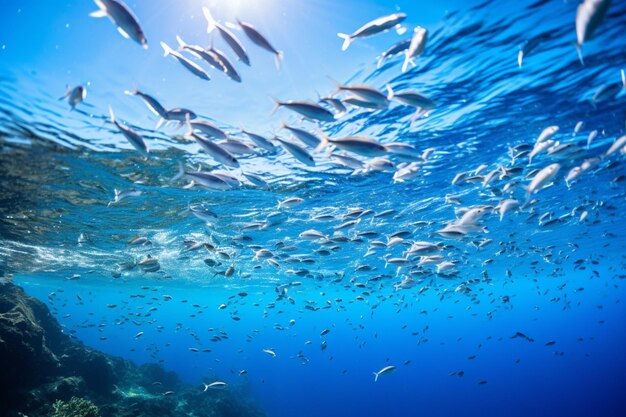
column 552, row 268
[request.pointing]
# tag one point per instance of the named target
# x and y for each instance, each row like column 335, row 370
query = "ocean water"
column 528, row 319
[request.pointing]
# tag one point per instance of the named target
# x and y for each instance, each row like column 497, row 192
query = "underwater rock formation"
column 40, row 365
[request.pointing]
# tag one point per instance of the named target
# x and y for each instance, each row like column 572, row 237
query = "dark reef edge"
column 41, row 365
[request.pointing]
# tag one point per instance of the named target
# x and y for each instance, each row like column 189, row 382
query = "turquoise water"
column 546, row 270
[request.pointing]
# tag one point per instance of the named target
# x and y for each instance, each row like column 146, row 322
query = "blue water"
column 556, row 281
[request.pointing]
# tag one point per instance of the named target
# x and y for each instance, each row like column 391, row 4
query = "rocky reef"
column 45, row 373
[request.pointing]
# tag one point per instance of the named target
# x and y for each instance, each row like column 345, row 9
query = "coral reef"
column 45, row 373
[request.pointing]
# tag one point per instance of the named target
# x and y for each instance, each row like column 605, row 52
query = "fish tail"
column 390, row 93
column 324, row 142
column 277, row 105
column 623, row 78
column 188, row 123
column 520, row 58
column 375, row 376
column 166, row 49
column 180, row 173
column 278, row 58
column 210, row 20
column 579, row 51
column 111, row 114
column 132, row 92
column 206, row 387
column 181, row 42
column 101, row 12
column 380, row 61
column 347, row 39
column 407, row 61
column 338, row 85
column 159, row 123
column 68, row 90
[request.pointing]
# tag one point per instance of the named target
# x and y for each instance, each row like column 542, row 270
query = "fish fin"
column 405, row 64
column 418, row 113
column 166, row 49
column 181, row 42
column 347, row 39
column 338, row 85
column 111, row 114
column 180, row 173
column 278, row 57
column 159, row 123
column 188, row 123
column 400, row 29
column 380, row 62
column 323, row 143
column 123, row 32
column 390, row 93
column 579, row 51
column 375, row 376
column 277, row 105
column 520, row 58
column 98, row 13
column 623, row 78
column 68, row 90
column 210, row 20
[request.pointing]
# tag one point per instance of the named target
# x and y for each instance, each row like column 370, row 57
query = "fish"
column 153, row 104
column 542, row 179
column 418, row 43
column 270, row 352
column 228, row 36
column 363, row 92
column 547, row 134
column 297, row 152
column 305, row 137
column 356, row 144
column 123, row 194
column 215, row 385
column 307, row 109
column 229, row 69
column 259, row 141
column 123, row 18
column 589, row 16
column 255, row 36
column 422, row 104
column 192, row 67
column 527, row 47
column 393, row 50
column 378, row 25
column 216, row 151
column 386, row 370
column 620, row 143
column 209, row 56
column 209, row 129
column 74, row 95
column 210, row 181
column 133, row 137
column 608, row 91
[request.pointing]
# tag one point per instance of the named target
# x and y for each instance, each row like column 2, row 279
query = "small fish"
column 229, row 37
column 123, row 18
column 215, row 385
column 207, row 55
column 305, row 137
column 133, row 137
column 422, row 104
column 371, row 28
column 307, row 109
column 542, row 179
column 386, row 370
column 259, row 141
column 74, row 95
column 418, row 43
column 297, row 152
column 123, row 194
column 270, row 352
column 192, row 67
column 255, row 36
column 355, row 144
column 526, row 48
column 589, row 16
column 217, row 152
column 394, row 50
column 153, row 104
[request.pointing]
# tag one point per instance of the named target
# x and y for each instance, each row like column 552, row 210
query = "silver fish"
column 305, row 108
column 133, row 137
column 355, row 144
column 192, row 67
column 153, row 104
column 256, row 37
column 418, row 43
column 298, row 152
column 371, row 28
column 589, row 16
column 305, row 137
column 123, row 18
column 259, row 141
column 74, row 95
column 227, row 35
column 208, row 55
column 394, row 50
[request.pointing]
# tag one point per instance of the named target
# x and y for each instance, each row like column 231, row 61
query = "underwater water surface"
column 490, row 291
